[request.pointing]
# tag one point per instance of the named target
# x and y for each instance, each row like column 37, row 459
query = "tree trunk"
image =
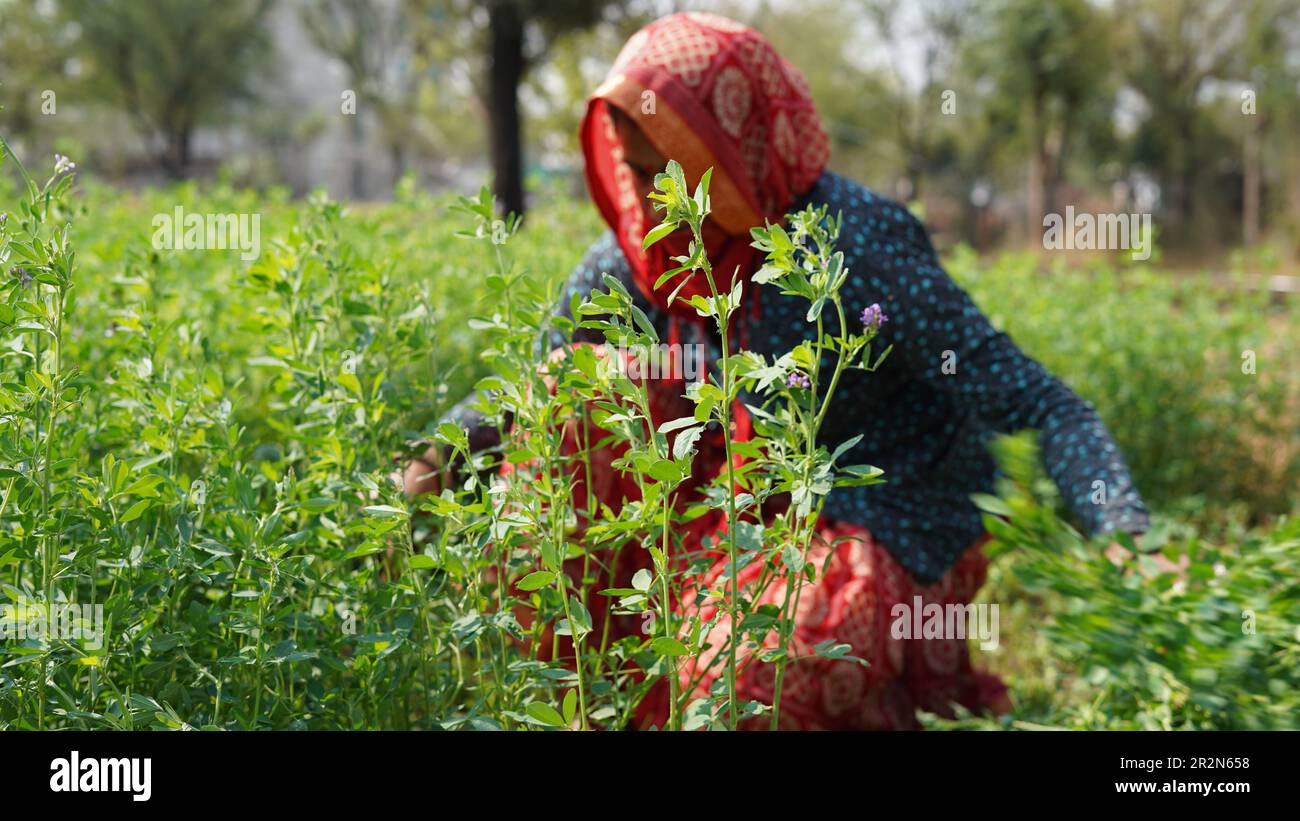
column 357, row 147
column 1036, row 188
column 506, row 52
column 1187, row 202
column 397, row 155
column 1057, row 160
column 1293, row 197
column 1250, row 194
column 176, row 153
column 1035, row 194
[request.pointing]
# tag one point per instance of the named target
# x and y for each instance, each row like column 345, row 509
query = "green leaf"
column 136, row 510
column 570, row 705
column 860, row 476
column 668, row 646
column 546, row 714
column 677, row 424
column 667, row 275
column 319, row 504
column 830, row 649
column 845, row 446
column 702, row 190
column 684, row 444
column 643, row 322
column 536, row 580
column 991, row 504
column 585, row 361
column 268, row 362
column 422, row 562
column 815, row 309
column 615, row 285
column 518, row 457
column 580, row 618
column 657, row 233
column 144, row 486
column 383, row 511
column 749, row 536
column 350, row 381
column 686, row 279
column 677, row 175
column 665, row 470
column 793, row 558
column 453, row 434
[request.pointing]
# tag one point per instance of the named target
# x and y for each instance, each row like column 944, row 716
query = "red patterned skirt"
column 851, row 603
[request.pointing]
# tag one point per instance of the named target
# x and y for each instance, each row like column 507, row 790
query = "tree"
column 511, row 52
column 367, row 37
column 506, row 65
column 1173, row 50
column 1271, row 103
column 33, row 53
column 915, row 111
column 172, row 65
column 1049, row 67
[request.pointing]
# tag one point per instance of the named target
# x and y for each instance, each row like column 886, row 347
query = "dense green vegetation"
column 202, row 446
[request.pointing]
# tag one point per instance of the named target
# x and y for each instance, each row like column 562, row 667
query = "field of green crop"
column 202, row 446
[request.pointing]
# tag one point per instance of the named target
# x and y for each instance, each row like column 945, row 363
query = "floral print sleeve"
column 945, row 341
column 951, row 382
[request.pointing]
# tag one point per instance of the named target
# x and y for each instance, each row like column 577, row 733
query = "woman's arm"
column 942, row 338
column 429, row 472
column 435, row 468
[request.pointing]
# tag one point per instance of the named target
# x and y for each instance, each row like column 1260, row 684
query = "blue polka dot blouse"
column 951, row 383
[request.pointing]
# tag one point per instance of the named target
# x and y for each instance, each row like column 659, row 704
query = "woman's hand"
column 429, row 474
column 419, row 477
column 558, row 355
column 1120, row 556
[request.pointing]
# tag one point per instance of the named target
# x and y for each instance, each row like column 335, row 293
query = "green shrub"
column 1133, row 648
column 201, row 445
column 1163, row 358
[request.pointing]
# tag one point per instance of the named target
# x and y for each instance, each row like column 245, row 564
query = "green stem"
column 725, row 413
column 806, row 529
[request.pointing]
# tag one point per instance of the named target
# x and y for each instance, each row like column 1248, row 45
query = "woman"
column 710, row 92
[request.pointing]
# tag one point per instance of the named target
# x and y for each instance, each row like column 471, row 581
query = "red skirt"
column 850, row 603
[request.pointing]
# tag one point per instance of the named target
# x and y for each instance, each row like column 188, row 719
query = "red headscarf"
column 707, row 92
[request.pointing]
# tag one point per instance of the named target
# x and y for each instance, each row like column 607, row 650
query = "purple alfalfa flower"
column 24, row 276
column 798, row 379
column 873, row 317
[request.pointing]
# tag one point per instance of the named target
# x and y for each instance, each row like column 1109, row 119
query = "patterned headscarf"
column 708, row 92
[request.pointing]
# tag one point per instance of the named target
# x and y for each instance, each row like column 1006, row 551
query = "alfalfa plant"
column 516, row 531
column 804, row 264
column 788, row 457
column 37, row 255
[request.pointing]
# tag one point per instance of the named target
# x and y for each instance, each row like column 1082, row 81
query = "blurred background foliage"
column 985, row 114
